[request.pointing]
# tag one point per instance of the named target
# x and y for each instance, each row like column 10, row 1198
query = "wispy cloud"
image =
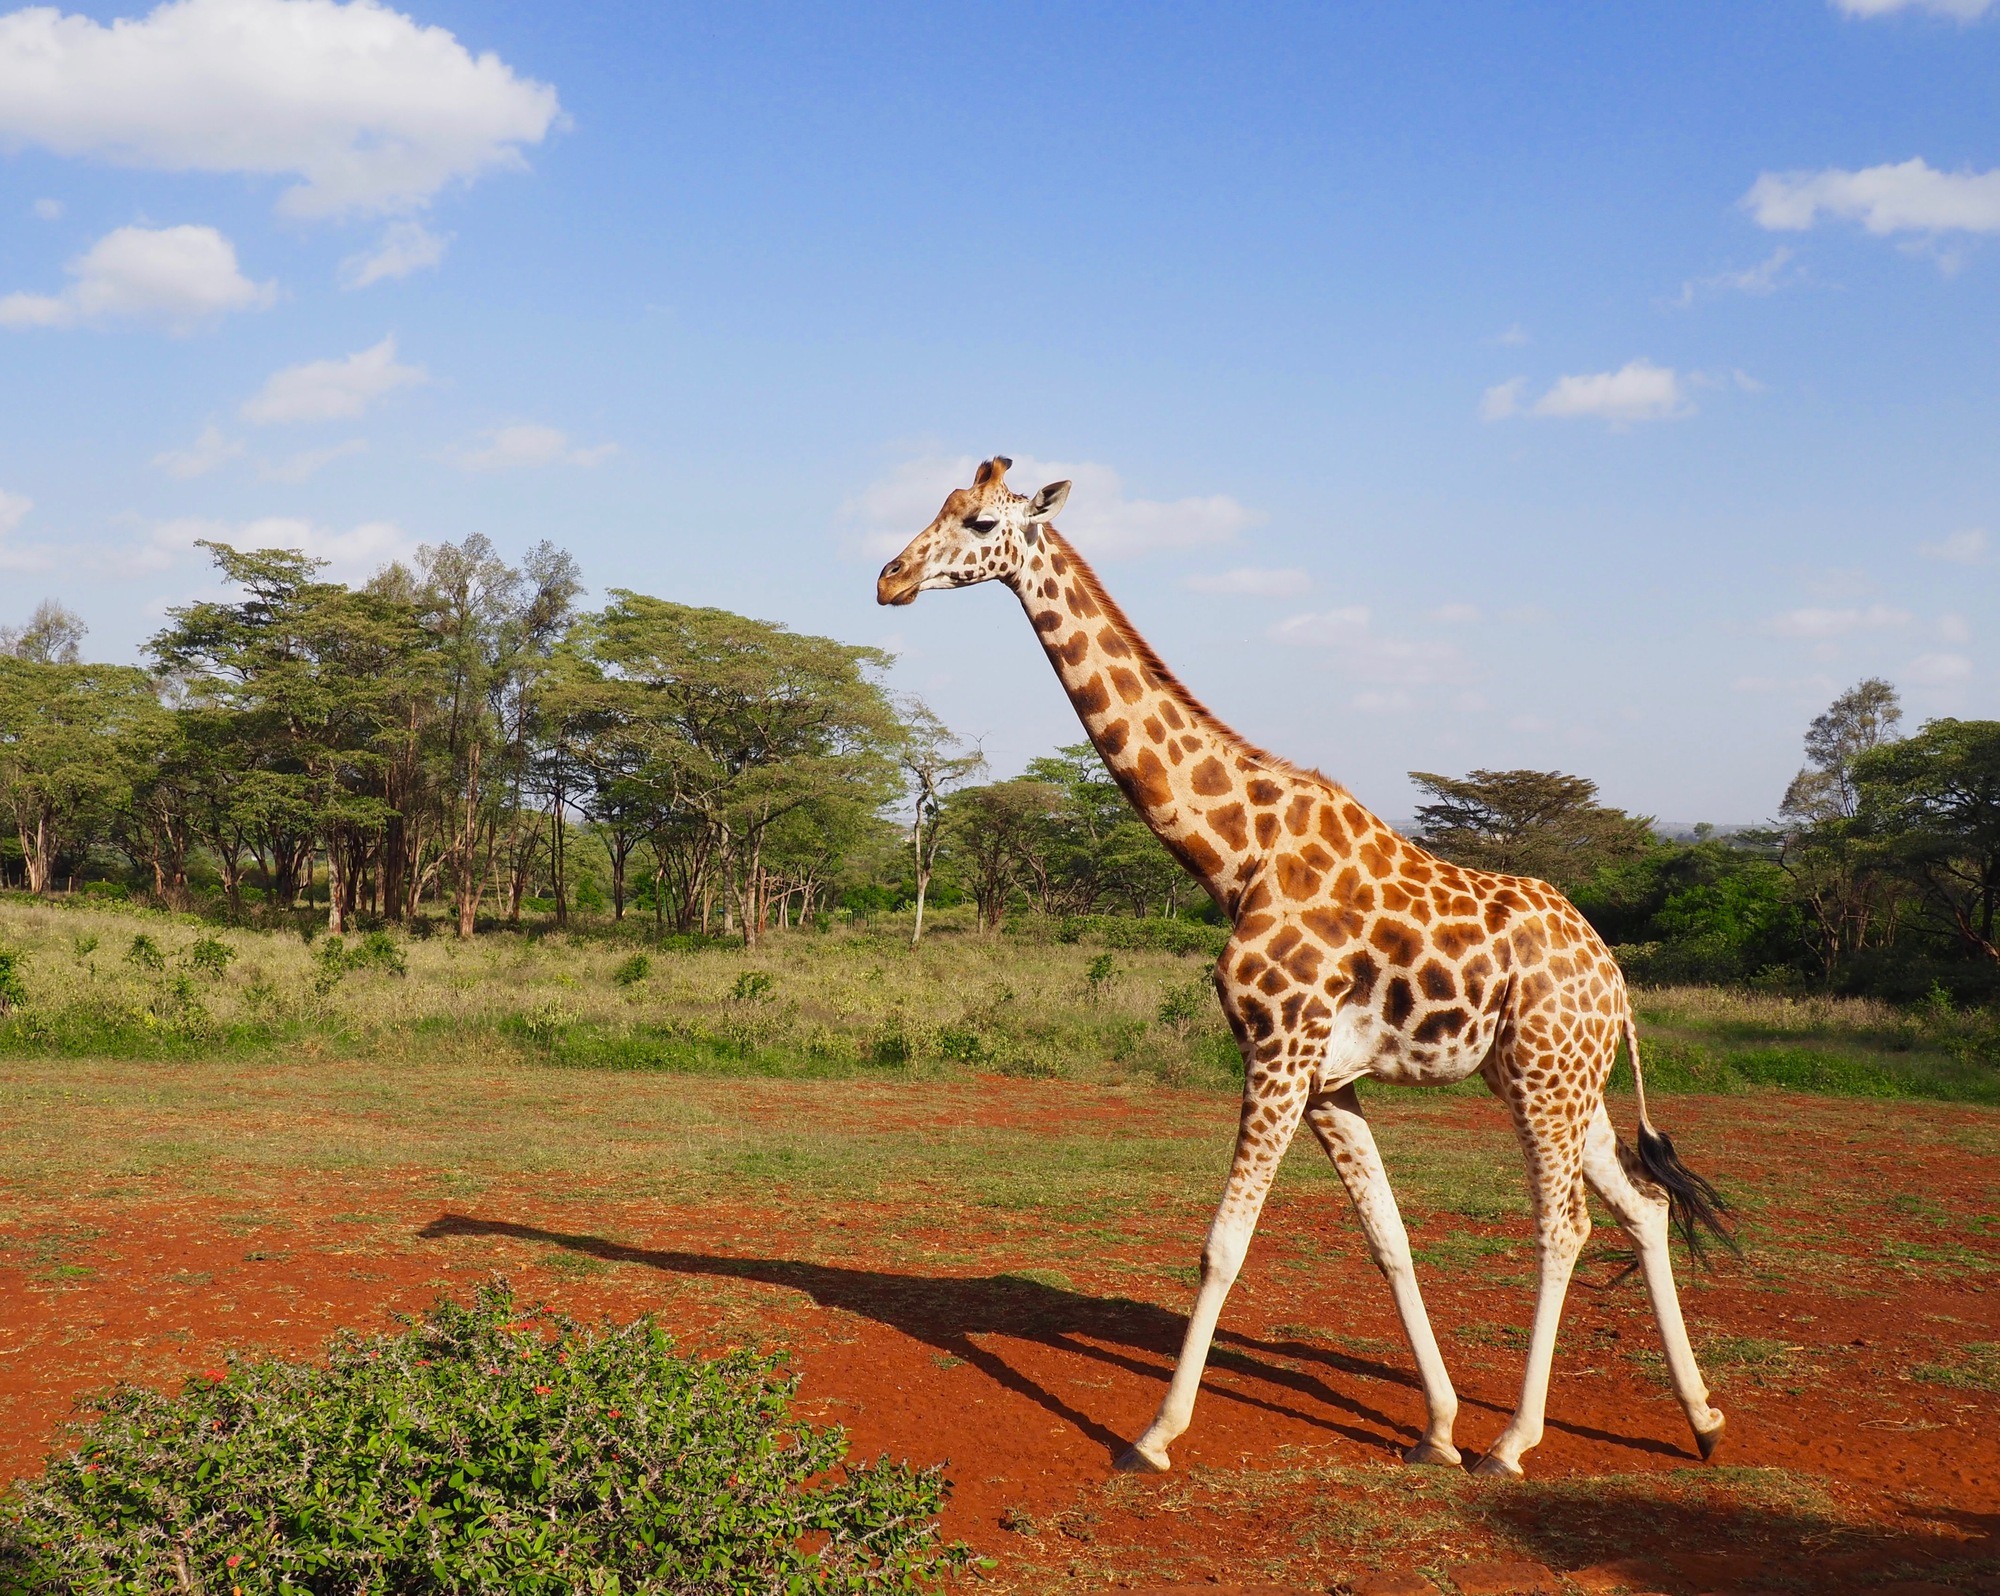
column 1252, row 581
column 14, row 508
column 332, row 390
column 1637, row 391
column 1937, row 670
column 1820, row 623
column 308, row 463
column 212, row 449
column 1960, row 548
column 527, row 445
column 1766, row 277
column 405, row 247
column 1958, row 10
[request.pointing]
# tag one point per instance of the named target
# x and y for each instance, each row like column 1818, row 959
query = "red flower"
column 615, row 1413
column 543, row 1390
column 235, row 1558
column 214, row 1376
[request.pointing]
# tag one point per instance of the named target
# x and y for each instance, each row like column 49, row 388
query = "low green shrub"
column 145, row 954
column 482, row 1449
column 633, row 970
column 13, row 990
column 211, row 956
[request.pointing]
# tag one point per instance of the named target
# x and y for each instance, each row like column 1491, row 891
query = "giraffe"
column 1354, row 955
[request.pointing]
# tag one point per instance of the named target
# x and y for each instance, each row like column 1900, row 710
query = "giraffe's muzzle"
column 899, row 580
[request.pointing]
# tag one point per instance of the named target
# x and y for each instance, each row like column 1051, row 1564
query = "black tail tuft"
column 1693, row 1204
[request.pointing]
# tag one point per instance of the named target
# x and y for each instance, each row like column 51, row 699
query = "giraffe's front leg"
column 1274, row 1096
column 1337, row 1120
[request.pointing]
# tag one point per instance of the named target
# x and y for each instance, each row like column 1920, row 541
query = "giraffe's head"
column 984, row 531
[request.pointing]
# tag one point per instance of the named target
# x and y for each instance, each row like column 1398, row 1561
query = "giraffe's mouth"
column 899, row 581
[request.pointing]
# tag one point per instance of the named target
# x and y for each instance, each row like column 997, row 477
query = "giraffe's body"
column 1355, row 954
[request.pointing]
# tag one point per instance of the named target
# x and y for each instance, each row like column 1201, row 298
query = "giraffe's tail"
column 1694, row 1207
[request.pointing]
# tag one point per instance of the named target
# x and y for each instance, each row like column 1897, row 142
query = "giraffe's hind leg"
column 1643, row 1213
column 1337, row 1121
column 1554, row 1151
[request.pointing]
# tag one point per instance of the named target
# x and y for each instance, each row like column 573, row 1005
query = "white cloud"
column 1937, row 670
column 1099, row 518
column 1251, row 581
column 48, row 210
column 1960, row 548
column 14, row 508
column 529, row 444
column 1766, row 277
column 353, row 555
column 1502, row 400
column 1961, row 10
column 173, row 277
column 1513, row 338
column 404, row 247
column 368, row 110
column 1455, row 614
column 1365, row 655
column 309, row 462
column 1822, row 623
column 1912, row 197
column 213, row 448
column 332, row 390
column 1324, row 628
column 1637, row 391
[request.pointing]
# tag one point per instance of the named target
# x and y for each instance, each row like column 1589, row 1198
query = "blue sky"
column 1587, row 387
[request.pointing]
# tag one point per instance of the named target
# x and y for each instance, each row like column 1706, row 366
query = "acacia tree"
column 739, row 723
column 994, row 832
column 1527, row 822
column 66, row 735
column 306, row 673
column 1932, row 802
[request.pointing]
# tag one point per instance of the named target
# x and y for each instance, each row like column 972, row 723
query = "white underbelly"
column 1362, row 1045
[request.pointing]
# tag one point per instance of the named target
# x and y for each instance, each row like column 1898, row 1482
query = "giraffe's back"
column 1415, row 967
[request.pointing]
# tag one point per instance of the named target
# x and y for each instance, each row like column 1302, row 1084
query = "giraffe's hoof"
column 1134, row 1461
column 1439, row 1453
column 1709, row 1440
column 1498, row 1468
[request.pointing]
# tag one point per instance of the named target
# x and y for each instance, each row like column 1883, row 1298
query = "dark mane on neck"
column 1157, row 667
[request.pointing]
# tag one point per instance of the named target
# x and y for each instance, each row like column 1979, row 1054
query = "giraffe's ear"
column 1047, row 502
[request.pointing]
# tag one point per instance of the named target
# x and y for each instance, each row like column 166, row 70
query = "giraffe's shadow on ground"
column 948, row 1312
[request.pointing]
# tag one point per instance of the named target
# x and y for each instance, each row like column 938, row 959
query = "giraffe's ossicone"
column 1355, row 954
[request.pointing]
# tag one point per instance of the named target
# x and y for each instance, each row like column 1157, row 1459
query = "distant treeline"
column 1880, row 872
column 454, row 744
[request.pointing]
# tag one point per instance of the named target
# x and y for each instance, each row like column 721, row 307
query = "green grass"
column 1975, row 1368
column 1094, row 1000
column 1708, row 1039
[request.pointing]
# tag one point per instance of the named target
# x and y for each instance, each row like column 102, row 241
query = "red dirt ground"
column 1030, row 1386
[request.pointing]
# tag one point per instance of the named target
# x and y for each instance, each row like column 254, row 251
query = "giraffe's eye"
column 983, row 525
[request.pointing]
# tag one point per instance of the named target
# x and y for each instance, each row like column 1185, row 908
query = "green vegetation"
column 1102, row 998
column 485, row 1448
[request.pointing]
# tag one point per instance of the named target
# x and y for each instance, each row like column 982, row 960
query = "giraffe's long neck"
column 1192, row 780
